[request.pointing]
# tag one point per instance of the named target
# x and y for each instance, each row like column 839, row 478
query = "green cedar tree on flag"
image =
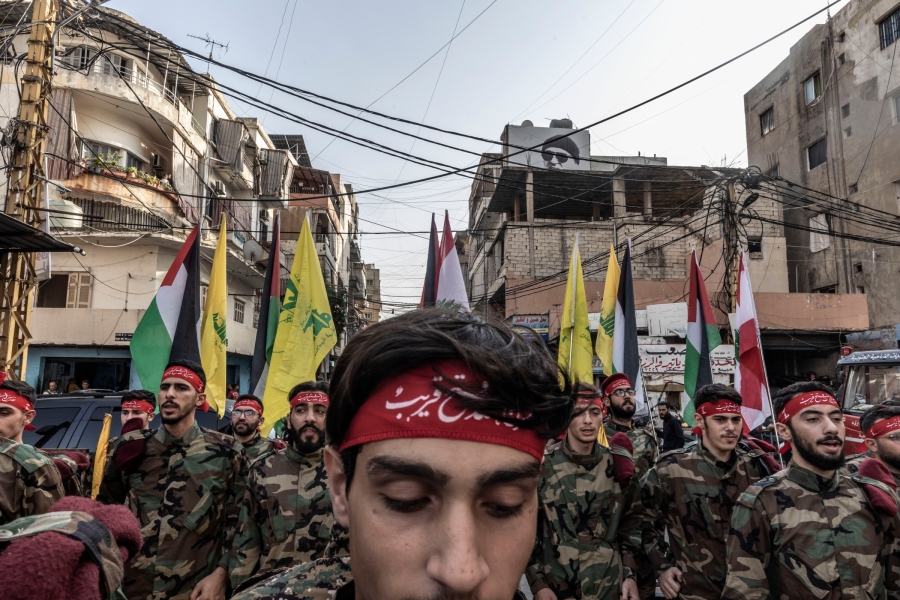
column 702, row 337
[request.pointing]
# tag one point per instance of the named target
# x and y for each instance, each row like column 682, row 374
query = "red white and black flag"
column 432, row 269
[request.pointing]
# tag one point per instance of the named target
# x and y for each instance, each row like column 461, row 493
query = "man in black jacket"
column 673, row 434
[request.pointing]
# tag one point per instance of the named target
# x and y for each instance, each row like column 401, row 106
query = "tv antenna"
column 212, row 46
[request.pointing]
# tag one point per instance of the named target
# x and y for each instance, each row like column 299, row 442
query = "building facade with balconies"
column 140, row 150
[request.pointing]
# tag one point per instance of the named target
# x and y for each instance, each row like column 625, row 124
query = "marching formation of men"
column 447, row 458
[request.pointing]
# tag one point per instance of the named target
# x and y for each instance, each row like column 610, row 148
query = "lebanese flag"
column 269, row 311
column 170, row 329
column 451, row 289
column 750, row 372
column 702, row 337
column 626, row 358
column 432, row 269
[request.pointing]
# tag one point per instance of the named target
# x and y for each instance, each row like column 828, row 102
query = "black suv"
column 74, row 420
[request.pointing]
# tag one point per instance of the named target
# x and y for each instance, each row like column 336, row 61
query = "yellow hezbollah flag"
column 100, row 456
column 213, row 340
column 305, row 330
column 608, row 313
column 576, row 353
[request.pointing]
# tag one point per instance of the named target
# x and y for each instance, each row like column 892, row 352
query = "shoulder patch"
column 222, row 439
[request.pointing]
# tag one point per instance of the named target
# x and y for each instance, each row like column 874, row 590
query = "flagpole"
column 572, row 324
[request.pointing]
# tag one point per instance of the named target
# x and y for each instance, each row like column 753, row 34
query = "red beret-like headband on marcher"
column 414, row 405
column 249, row 403
column 798, row 403
column 722, row 406
column 139, row 405
column 16, row 400
column 186, row 374
column 314, row 397
column 883, row 427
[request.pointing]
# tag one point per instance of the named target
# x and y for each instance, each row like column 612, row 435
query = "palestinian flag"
column 702, row 337
column 269, row 310
column 432, row 269
column 170, row 329
column 625, row 356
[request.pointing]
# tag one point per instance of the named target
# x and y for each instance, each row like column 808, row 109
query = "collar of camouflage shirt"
column 618, row 427
column 315, row 457
column 724, row 466
column 584, row 460
column 163, row 437
column 812, row 482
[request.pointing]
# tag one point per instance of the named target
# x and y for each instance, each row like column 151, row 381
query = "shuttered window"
column 78, row 294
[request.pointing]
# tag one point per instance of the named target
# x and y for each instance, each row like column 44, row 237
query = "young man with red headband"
column 29, row 482
column 184, row 483
column 138, row 404
column 881, row 427
column 588, row 513
column 691, row 492
column 246, row 419
column 437, row 424
column 286, row 516
column 813, row 530
column 619, row 398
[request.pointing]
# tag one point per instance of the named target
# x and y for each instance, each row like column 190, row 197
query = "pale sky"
column 521, row 59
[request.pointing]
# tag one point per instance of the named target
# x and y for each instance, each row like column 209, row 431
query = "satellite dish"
column 527, row 123
column 252, row 250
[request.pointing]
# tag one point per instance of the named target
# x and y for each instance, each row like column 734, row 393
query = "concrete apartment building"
column 372, row 313
column 143, row 150
column 827, row 118
column 526, row 208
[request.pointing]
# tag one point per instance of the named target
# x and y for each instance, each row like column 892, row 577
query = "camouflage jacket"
column 853, row 462
column 646, row 448
column 186, row 494
column 29, row 482
column 99, row 544
column 795, row 534
column 692, row 495
column 285, row 514
column 324, row 579
column 588, row 526
column 257, row 447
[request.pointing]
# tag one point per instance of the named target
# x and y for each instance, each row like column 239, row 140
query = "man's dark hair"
column 521, row 377
column 189, row 364
column 785, row 394
column 308, row 386
column 664, row 403
column 877, row 413
column 21, row 388
column 716, row 391
column 249, row 397
column 144, row 395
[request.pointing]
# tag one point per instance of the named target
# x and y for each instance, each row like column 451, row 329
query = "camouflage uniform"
column 853, row 462
column 186, row 494
column 646, row 450
column 795, row 534
column 100, row 545
column 588, row 526
column 257, row 447
column 326, row 578
column 29, row 482
column 286, row 514
column 693, row 495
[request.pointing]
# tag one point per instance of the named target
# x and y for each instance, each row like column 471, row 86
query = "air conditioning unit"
column 60, row 50
column 159, row 162
column 218, row 189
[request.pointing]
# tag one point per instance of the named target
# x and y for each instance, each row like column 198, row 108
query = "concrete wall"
column 863, row 150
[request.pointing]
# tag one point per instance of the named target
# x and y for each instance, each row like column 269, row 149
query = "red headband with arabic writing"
column 412, row 405
column 314, row 397
column 614, row 382
column 798, row 403
column 722, row 406
column 249, row 403
column 883, row 427
column 17, row 400
column 186, row 374
column 140, row 405
column 589, row 397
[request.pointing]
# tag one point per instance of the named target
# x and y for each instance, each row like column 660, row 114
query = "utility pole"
column 26, row 184
column 730, row 244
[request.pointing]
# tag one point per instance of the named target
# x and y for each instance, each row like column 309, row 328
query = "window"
column 79, row 58
column 828, row 289
column 238, row 311
column 890, row 29
column 52, row 293
column 91, row 149
column 816, row 154
column 845, row 111
column 78, row 291
column 848, row 132
column 841, row 37
column 52, row 424
column 113, row 64
column 896, row 100
column 858, row 267
column 842, row 59
column 773, row 172
column 203, row 290
column 767, row 121
column 812, row 88
column 754, row 248
column 860, row 289
column 819, row 233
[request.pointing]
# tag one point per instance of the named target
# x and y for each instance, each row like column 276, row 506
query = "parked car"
column 868, row 378
column 74, row 420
